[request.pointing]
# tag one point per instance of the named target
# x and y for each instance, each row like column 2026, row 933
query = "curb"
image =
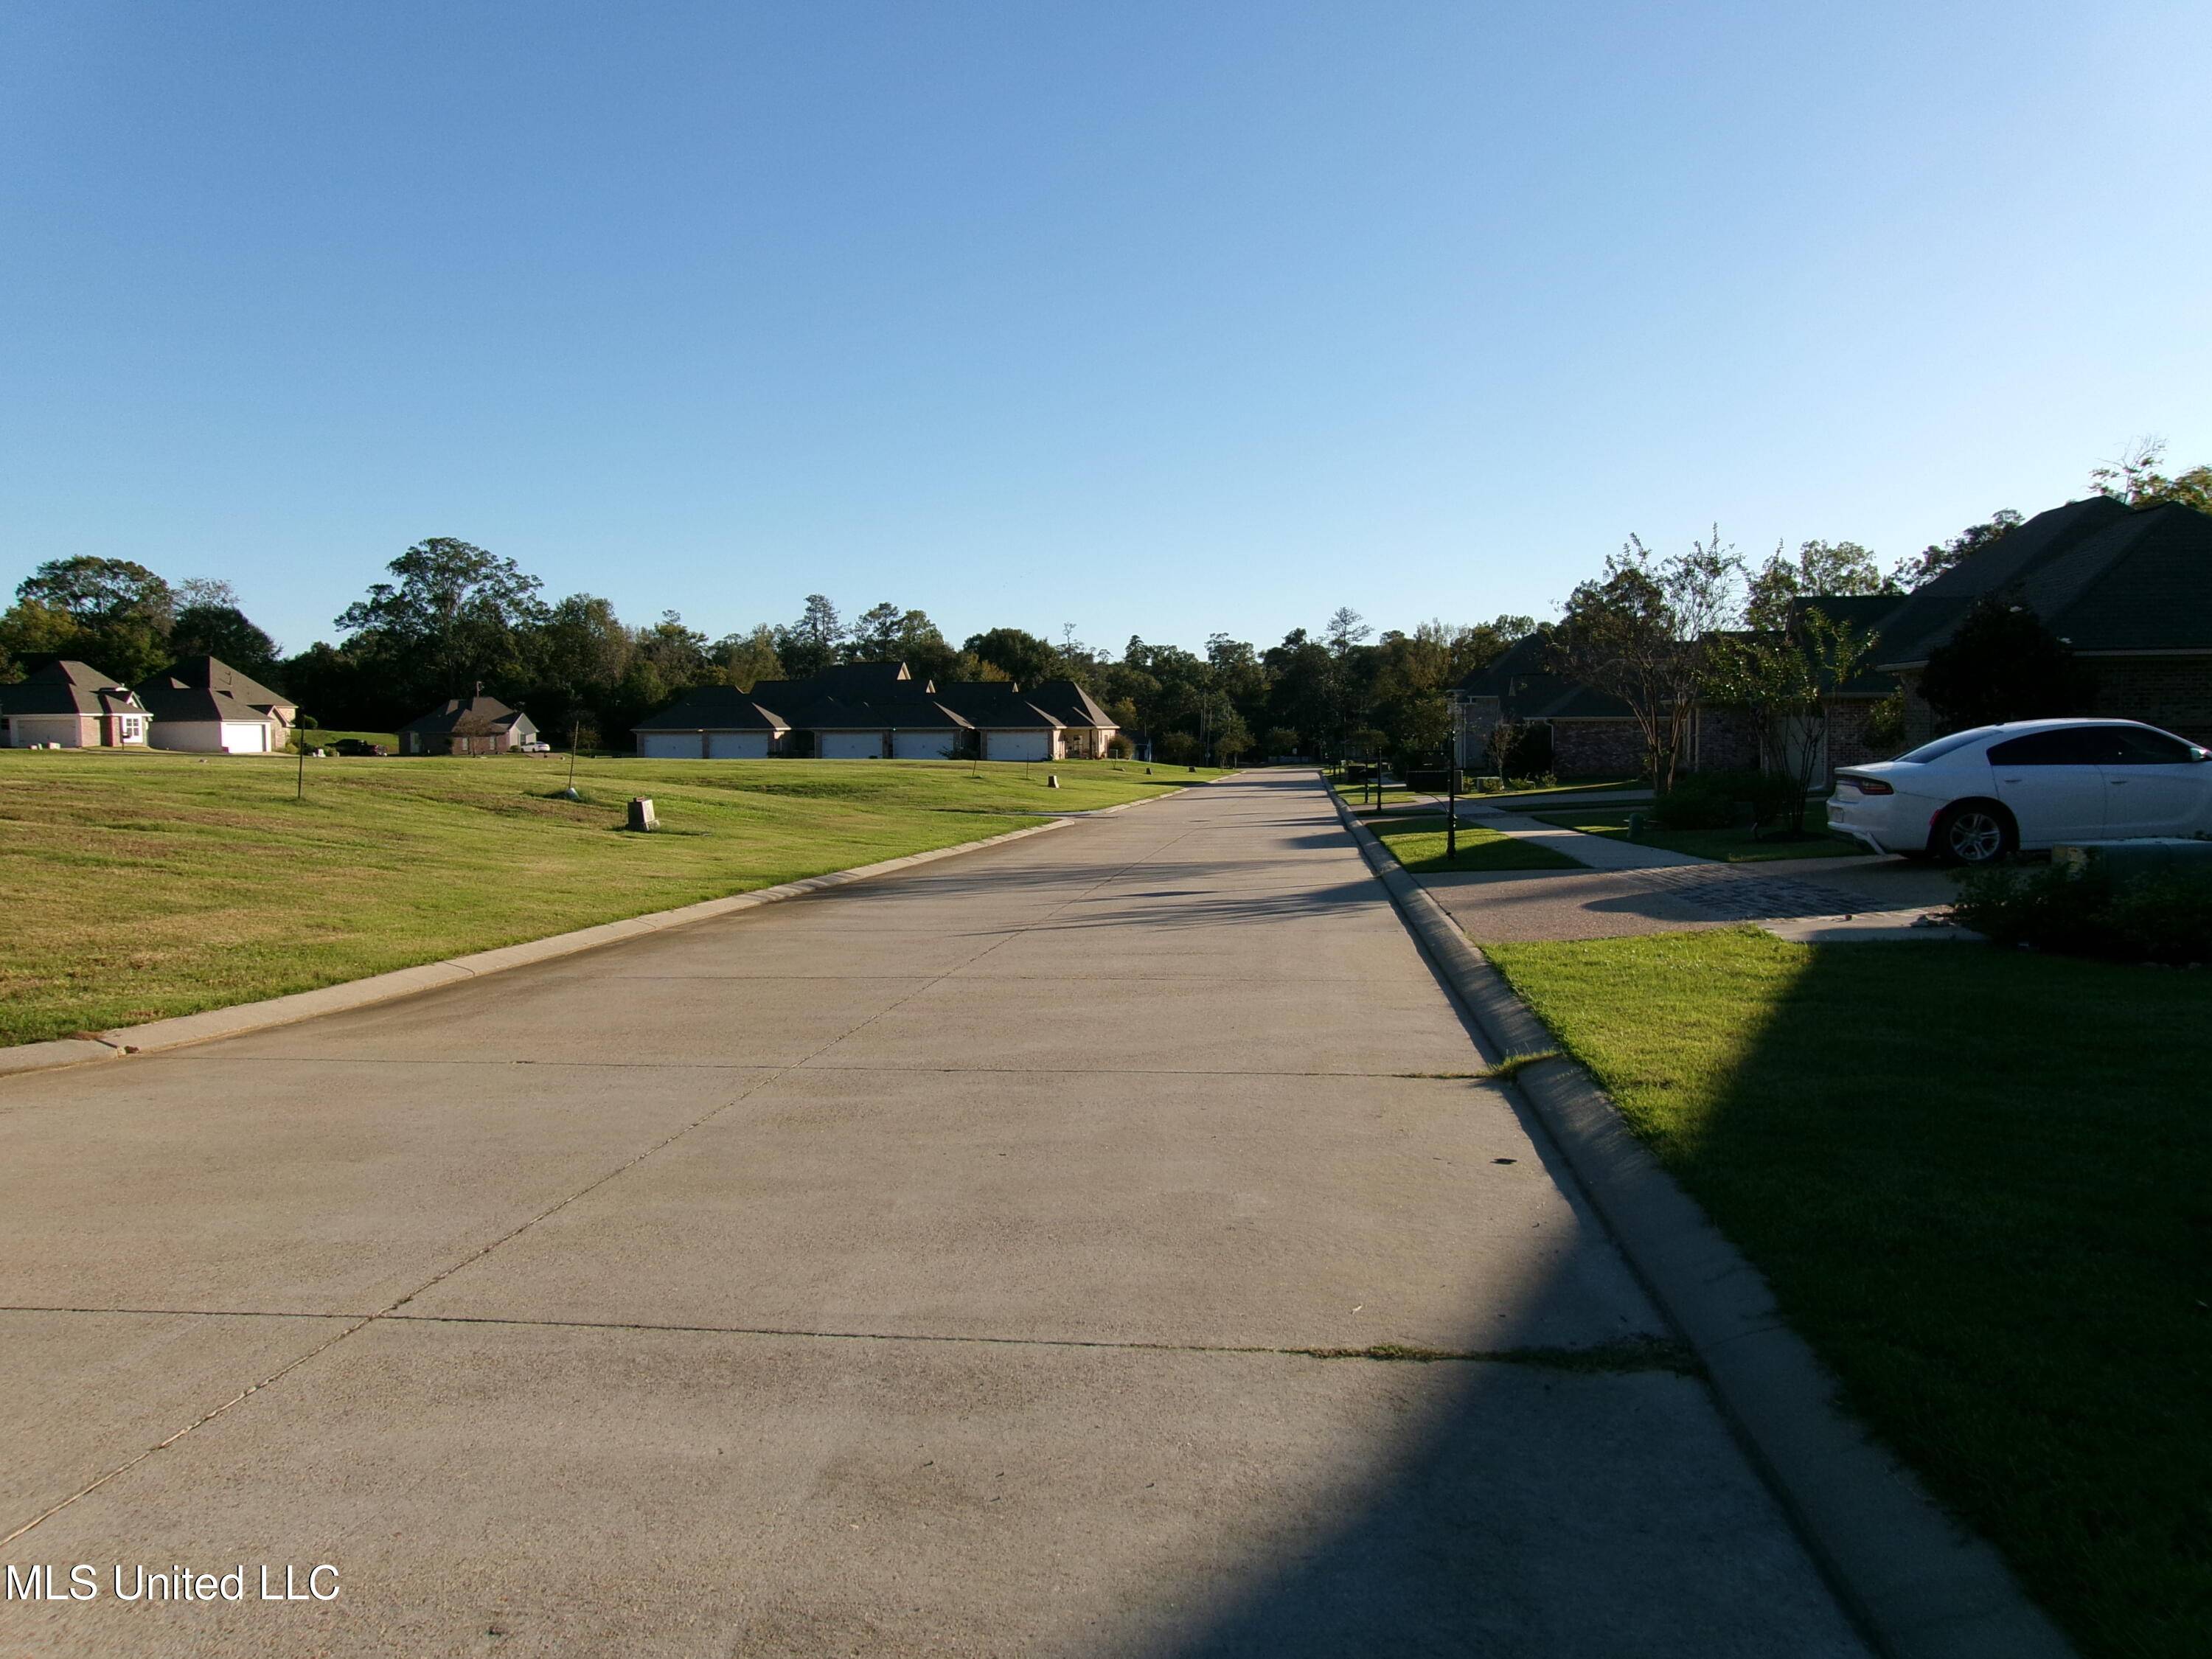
column 184, row 1030
column 1920, row 1585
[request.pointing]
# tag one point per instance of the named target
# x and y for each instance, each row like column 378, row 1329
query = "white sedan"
column 1975, row 796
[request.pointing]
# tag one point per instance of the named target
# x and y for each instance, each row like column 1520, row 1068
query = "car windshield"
column 1941, row 747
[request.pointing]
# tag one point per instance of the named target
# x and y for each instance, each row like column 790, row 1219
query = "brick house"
column 2128, row 588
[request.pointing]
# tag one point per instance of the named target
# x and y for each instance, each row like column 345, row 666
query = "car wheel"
column 1973, row 833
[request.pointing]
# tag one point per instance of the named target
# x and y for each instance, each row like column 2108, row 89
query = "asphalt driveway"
column 1101, row 1244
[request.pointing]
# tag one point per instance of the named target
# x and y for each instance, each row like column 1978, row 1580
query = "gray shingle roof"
column 478, row 713
column 2104, row 576
column 713, row 709
column 1068, row 703
column 67, row 687
column 212, row 674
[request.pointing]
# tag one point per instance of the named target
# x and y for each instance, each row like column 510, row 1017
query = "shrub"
column 1178, row 749
column 1718, row 800
column 2157, row 915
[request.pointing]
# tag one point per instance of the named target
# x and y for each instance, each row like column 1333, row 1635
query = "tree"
column 92, row 592
column 875, row 636
column 748, row 659
column 2002, row 663
column 810, row 645
column 677, row 654
column 222, row 630
column 1231, row 737
column 1282, row 740
column 1788, row 677
column 1937, row 559
column 582, row 646
column 1834, row 568
column 1642, row 633
column 32, row 633
column 2135, row 478
column 1022, row 656
column 456, row 615
column 1345, row 631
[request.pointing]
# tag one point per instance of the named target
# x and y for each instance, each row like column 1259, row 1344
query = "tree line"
column 1658, row 632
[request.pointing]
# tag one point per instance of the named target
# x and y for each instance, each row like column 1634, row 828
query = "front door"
column 2051, row 781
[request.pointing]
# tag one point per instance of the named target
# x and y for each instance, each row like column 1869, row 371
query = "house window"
column 133, row 728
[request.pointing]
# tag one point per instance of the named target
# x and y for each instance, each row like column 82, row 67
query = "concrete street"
column 1098, row 1245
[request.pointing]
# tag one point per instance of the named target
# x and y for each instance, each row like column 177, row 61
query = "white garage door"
column 852, row 745
column 1019, row 746
column 737, row 746
column 669, row 746
column 246, row 737
column 921, row 745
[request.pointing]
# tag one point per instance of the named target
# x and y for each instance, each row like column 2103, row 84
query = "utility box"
column 2121, row 858
column 640, row 813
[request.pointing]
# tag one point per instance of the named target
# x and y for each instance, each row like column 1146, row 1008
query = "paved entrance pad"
column 1048, row 1251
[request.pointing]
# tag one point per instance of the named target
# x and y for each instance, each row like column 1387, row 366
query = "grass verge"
column 1726, row 846
column 1417, row 843
column 1978, row 1181
column 139, row 886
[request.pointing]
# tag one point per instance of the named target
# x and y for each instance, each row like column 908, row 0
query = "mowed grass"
column 137, row 886
column 1726, row 846
column 1980, row 1182
column 1418, row 841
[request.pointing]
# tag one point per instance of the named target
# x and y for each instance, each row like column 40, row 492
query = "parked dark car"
column 359, row 746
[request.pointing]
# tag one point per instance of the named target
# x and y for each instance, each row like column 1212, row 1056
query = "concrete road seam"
column 238, row 1019
column 1920, row 1586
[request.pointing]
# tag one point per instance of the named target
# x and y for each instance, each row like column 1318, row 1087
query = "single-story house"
column 468, row 725
column 73, row 704
column 204, row 704
column 1595, row 734
column 869, row 711
column 2128, row 587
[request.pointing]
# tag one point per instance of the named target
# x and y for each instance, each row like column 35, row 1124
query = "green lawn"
column 1417, row 842
column 320, row 738
column 138, row 886
column 1980, row 1182
column 1728, row 846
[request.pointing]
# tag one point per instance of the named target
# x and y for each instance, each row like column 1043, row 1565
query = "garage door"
column 244, row 738
column 737, row 746
column 669, row 746
column 852, row 745
column 921, row 745
column 1019, row 746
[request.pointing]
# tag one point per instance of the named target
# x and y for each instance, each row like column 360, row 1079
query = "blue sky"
column 1157, row 319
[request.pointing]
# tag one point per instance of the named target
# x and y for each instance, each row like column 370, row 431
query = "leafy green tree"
column 456, row 615
column 677, row 654
column 1023, row 657
column 223, row 631
column 1940, row 556
column 1789, row 676
column 1832, row 568
column 2002, row 663
column 32, row 633
column 119, row 612
column 1301, row 691
column 2135, row 478
column 748, row 659
column 1231, row 738
column 811, row 644
column 1643, row 631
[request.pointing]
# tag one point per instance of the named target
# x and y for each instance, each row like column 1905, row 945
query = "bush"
column 1178, row 749
column 2159, row 915
column 1721, row 800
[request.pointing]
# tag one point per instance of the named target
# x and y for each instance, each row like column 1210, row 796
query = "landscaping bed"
column 1978, row 1181
column 1730, row 846
column 140, row 885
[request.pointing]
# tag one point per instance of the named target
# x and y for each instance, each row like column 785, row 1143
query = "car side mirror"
column 2196, row 753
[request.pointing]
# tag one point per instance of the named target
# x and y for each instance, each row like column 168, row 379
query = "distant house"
column 468, row 725
column 73, row 704
column 1594, row 734
column 870, row 711
column 2128, row 588
column 204, row 704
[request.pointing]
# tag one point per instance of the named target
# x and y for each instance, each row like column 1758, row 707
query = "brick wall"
column 2174, row 692
column 1848, row 719
column 1723, row 739
column 1597, row 749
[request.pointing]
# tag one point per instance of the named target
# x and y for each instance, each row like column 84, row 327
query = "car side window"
column 2139, row 747
column 2069, row 746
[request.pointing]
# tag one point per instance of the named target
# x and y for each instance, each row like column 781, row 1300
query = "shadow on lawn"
column 1978, row 1182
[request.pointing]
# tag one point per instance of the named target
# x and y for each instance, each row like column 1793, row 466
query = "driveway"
column 1097, row 1245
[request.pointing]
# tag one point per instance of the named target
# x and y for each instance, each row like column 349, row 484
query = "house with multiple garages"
column 73, row 705
column 204, row 705
column 878, row 710
column 475, row 724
